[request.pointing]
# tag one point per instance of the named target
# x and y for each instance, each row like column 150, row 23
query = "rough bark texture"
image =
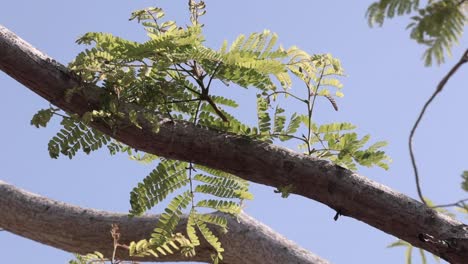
column 81, row 230
column 348, row 193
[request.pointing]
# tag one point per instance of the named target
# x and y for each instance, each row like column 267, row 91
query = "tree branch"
column 439, row 88
column 80, row 230
column 342, row 190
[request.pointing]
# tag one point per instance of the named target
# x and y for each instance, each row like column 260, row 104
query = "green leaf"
column 42, row 117
column 264, row 120
column 335, row 127
column 214, row 220
column 423, row 256
column 464, row 183
column 279, row 120
column 229, row 207
column 285, row 190
column 191, row 224
column 165, row 179
column 169, row 219
column 294, row 124
column 75, row 136
column 399, row 243
column 233, row 184
column 210, row 238
column 133, row 116
column 408, row 254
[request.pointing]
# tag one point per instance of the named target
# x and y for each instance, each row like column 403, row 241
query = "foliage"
column 170, row 77
column 438, row 25
column 95, row 257
column 176, row 242
column 409, row 251
column 464, row 183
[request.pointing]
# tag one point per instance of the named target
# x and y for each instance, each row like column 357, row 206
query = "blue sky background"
column 386, row 87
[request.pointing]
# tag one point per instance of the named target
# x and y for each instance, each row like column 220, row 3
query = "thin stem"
column 212, row 76
column 288, row 93
column 316, row 92
column 190, row 168
column 154, row 18
column 195, row 118
column 181, row 77
column 192, row 198
column 291, row 136
column 319, row 139
column 439, row 88
column 310, row 106
column 128, row 65
column 460, row 204
column 187, row 71
column 115, row 236
column 183, row 101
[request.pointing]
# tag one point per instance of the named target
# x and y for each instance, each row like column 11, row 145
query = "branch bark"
column 81, row 230
column 346, row 192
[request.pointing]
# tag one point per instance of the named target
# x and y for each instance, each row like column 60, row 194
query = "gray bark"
column 82, row 230
column 348, row 193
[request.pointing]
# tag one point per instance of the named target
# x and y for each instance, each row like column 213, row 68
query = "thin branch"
column 461, row 204
column 310, row 107
column 289, row 136
column 287, row 93
column 183, row 101
column 439, row 88
column 212, row 76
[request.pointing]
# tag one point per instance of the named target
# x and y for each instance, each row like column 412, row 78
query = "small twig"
column 439, row 88
column 290, row 136
column 115, row 236
column 205, row 91
column 287, row 93
column 212, row 75
column 183, row 101
column 460, row 204
column 310, row 106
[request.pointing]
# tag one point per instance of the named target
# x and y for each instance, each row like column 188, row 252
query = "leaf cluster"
column 170, row 176
column 439, row 25
column 171, row 75
column 74, row 135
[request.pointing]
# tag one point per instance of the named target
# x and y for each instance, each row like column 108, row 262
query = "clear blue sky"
column 386, row 86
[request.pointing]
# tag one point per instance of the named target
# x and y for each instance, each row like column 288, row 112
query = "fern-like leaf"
column 225, row 187
column 229, row 207
column 170, row 218
column 211, row 239
column 264, row 120
column 42, row 117
column 165, row 179
column 378, row 11
column 75, row 136
column 438, row 26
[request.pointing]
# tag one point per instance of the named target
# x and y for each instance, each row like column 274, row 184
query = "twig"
column 287, row 93
column 460, row 204
column 439, row 88
column 115, row 236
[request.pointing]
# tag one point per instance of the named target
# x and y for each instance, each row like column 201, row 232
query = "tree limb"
column 80, row 230
column 439, row 88
column 346, row 192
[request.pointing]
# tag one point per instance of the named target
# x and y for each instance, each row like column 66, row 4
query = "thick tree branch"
column 80, row 230
column 346, row 192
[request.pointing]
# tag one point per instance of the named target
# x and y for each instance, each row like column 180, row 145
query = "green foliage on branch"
column 171, row 77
